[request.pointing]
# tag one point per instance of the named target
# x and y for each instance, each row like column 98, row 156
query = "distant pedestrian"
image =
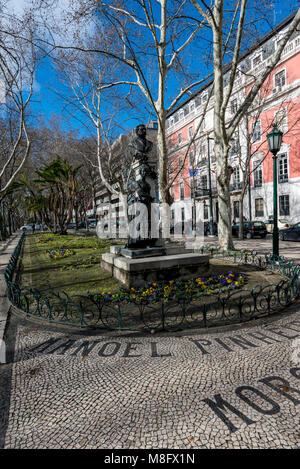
column 33, row 228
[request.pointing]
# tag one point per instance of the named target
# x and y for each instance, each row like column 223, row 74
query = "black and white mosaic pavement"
column 235, row 388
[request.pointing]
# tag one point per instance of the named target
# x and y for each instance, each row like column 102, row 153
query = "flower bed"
column 178, row 290
column 58, row 253
column 44, row 240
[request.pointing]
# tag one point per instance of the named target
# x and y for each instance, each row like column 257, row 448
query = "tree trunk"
column 224, row 172
column 225, row 224
column 241, row 214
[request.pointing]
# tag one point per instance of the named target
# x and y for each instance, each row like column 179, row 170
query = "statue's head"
column 142, row 171
column 140, row 130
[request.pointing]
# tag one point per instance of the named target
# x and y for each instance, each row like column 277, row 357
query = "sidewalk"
column 6, row 249
column 288, row 249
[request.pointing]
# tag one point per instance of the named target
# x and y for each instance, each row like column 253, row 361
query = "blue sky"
column 47, row 102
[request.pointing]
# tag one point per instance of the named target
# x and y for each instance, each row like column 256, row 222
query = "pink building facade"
column 278, row 101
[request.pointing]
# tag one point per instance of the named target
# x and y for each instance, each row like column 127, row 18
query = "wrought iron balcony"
column 284, row 212
column 205, row 192
column 235, row 186
column 283, row 178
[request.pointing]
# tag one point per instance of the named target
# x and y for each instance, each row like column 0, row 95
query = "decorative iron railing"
column 94, row 311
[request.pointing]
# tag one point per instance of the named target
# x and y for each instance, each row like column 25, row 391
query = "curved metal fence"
column 94, row 311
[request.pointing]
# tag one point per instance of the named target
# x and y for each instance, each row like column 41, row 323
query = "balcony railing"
column 284, row 212
column 235, row 186
column 205, row 192
column 283, row 178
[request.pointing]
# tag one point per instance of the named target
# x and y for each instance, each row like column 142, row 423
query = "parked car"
column 71, row 226
column 282, row 224
column 251, row 229
column 38, row 226
column 290, row 234
column 207, row 228
column 26, row 227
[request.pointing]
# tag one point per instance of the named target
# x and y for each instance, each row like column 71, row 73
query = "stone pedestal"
column 136, row 272
column 142, row 253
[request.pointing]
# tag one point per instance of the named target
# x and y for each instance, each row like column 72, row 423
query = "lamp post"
column 274, row 141
column 211, row 227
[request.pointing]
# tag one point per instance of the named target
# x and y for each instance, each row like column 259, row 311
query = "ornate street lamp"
column 211, row 221
column 274, row 141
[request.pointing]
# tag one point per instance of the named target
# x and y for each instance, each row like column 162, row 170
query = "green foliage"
column 51, row 196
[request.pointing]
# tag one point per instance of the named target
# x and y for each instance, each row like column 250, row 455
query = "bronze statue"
column 141, row 188
column 140, row 145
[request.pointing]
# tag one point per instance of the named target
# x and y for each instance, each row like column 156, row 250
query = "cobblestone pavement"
column 231, row 388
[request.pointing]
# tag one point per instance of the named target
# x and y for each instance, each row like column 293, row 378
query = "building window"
column 180, row 161
column 288, row 48
column 234, row 147
column 179, row 138
column 236, row 176
column 280, row 119
column 256, row 61
column 279, row 79
column 283, row 170
column 233, row 106
column 192, row 159
column 204, row 98
column 259, row 207
column 182, row 214
column 236, row 206
column 192, row 106
column 203, row 151
column 258, row 174
column 172, row 190
column 181, row 114
column 284, row 205
column 191, row 132
column 181, row 186
column 256, row 131
column 171, row 167
column 204, row 182
column 205, row 211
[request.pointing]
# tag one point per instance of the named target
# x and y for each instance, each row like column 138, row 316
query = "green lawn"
column 77, row 274
column 81, row 273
